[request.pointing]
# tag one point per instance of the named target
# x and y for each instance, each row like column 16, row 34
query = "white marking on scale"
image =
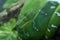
column 53, row 26
column 35, row 26
column 48, row 30
column 52, row 7
column 58, row 13
column 55, row 0
column 45, row 13
column 39, row 10
column 36, row 29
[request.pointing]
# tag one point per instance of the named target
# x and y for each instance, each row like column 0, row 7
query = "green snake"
column 37, row 19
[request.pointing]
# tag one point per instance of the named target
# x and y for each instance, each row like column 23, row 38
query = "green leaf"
column 8, row 35
column 9, row 25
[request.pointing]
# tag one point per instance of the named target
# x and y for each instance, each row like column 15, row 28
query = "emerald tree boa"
column 37, row 19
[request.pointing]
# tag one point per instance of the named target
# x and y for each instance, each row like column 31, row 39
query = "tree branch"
column 11, row 9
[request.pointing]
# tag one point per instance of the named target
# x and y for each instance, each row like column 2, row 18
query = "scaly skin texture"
column 26, row 18
column 53, row 23
column 34, row 22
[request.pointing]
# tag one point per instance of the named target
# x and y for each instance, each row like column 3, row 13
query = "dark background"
column 1, row 4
